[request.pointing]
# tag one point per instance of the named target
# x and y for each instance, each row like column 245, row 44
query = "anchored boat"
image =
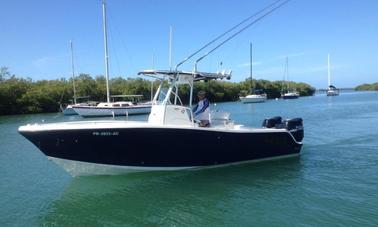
column 289, row 94
column 169, row 140
column 107, row 109
column 256, row 95
column 332, row 90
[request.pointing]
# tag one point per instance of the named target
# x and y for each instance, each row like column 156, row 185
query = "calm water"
column 333, row 183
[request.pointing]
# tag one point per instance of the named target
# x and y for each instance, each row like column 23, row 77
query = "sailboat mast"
column 73, row 72
column 106, row 50
column 250, row 63
column 329, row 72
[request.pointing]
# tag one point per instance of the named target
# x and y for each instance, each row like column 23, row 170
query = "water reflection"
column 173, row 198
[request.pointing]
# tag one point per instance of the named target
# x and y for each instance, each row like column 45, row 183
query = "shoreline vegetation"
column 367, row 87
column 24, row 96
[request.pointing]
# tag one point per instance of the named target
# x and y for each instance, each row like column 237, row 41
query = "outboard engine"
column 295, row 127
column 272, row 122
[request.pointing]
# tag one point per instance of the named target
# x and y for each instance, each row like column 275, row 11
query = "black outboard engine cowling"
column 295, row 126
column 272, row 122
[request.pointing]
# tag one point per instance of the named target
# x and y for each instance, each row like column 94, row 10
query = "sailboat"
column 69, row 108
column 332, row 90
column 105, row 109
column 256, row 95
column 290, row 94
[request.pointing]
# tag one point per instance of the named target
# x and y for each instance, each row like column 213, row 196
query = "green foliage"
column 367, row 87
column 4, row 73
column 19, row 95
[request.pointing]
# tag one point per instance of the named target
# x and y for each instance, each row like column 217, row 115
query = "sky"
column 35, row 36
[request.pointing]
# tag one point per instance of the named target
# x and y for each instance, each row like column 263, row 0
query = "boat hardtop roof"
column 197, row 76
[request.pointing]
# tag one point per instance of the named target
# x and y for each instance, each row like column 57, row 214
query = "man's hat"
column 201, row 92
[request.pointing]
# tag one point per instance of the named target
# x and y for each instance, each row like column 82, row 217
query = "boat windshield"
column 162, row 94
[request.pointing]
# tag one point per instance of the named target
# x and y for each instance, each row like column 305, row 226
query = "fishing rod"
column 238, row 32
column 228, row 31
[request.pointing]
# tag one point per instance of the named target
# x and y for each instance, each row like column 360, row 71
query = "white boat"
column 106, row 109
column 69, row 110
column 290, row 93
column 255, row 96
column 332, row 90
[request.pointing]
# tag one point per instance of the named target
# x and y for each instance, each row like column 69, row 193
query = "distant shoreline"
column 23, row 96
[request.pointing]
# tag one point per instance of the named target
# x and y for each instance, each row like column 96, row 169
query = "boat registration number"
column 105, row 133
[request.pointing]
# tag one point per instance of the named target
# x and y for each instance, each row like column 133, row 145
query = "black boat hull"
column 290, row 97
column 163, row 147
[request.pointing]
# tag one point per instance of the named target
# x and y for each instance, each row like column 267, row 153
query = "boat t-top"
column 171, row 139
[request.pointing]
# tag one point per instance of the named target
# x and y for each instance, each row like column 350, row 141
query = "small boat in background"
column 114, row 108
column 256, row 95
column 332, row 90
column 108, row 108
column 69, row 110
column 290, row 94
column 254, row 98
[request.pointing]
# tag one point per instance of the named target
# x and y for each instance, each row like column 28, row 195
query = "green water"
column 333, row 183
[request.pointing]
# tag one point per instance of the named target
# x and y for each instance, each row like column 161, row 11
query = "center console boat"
column 170, row 140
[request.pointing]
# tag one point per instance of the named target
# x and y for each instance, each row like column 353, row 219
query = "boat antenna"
column 106, row 50
column 225, row 33
column 240, row 31
column 73, row 72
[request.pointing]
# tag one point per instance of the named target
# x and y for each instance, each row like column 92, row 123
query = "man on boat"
column 202, row 110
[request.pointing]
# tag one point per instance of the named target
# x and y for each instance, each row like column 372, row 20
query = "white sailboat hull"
column 332, row 92
column 253, row 99
column 95, row 111
column 69, row 111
